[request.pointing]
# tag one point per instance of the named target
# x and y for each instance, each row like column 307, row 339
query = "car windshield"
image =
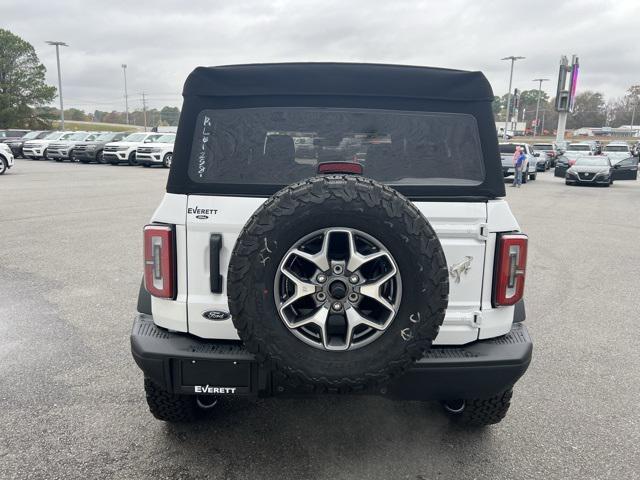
column 579, row 148
column 31, row 135
column 616, row 148
column 78, row 136
column 54, row 136
column 168, row 138
column 135, row 137
column 67, row 136
column 105, row 137
column 257, row 145
column 592, row 162
column 509, row 148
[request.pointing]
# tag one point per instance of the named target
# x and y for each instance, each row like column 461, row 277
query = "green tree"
column 589, row 110
column 22, row 83
column 171, row 115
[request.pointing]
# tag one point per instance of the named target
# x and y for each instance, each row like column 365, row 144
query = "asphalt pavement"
column 71, row 398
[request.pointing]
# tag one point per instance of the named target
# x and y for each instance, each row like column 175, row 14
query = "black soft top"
column 341, row 85
column 351, row 79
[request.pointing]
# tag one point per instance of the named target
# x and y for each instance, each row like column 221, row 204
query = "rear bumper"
column 185, row 364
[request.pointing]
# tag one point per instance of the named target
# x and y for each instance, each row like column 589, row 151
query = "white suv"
column 124, row 151
column 6, row 158
column 37, row 149
column 617, row 151
column 397, row 270
column 160, row 152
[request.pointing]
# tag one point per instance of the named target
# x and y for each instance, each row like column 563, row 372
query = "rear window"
column 276, row 146
column 510, row 148
column 543, row 146
column 616, row 148
column 579, row 148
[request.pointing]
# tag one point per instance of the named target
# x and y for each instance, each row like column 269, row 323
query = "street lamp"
column 513, row 60
column 539, row 80
column 58, row 45
column 126, row 97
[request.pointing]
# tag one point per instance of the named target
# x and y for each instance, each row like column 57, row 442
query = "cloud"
column 162, row 41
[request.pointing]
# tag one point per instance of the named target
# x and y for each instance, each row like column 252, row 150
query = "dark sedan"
column 593, row 170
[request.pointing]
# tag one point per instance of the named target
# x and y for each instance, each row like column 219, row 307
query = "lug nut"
column 353, row 297
column 321, row 278
column 354, row 279
column 321, row 296
column 337, row 269
column 337, row 306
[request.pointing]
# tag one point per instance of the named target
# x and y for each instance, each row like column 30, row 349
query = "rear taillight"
column 510, row 269
column 159, row 261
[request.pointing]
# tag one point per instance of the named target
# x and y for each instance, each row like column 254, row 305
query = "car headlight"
column 91, row 147
column 571, row 173
column 156, row 149
column 123, row 149
column 604, row 173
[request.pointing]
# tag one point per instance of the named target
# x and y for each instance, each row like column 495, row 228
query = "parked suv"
column 617, row 151
column 124, row 151
column 397, row 273
column 16, row 144
column 529, row 169
column 64, row 149
column 37, row 149
column 6, row 158
column 91, row 151
column 160, row 152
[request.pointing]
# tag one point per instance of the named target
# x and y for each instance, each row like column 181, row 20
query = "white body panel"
column 464, row 229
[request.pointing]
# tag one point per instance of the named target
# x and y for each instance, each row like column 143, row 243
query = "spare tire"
column 339, row 282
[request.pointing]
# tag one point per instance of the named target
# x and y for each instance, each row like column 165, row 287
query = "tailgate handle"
column 215, row 245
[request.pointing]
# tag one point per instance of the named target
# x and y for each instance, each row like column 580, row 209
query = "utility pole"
column 542, row 126
column 126, row 96
column 58, row 45
column 633, row 114
column 144, row 110
column 506, row 122
column 539, row 80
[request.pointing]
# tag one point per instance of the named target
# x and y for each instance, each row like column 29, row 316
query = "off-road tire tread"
column 312, row 191
column 169, row 407
column 484, row 411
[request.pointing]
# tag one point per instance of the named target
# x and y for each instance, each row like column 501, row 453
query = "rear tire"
column 533, row 176
column 100, row 157
column 59, row 160
column 169, row 407
column 3, row 166
column 479, row 412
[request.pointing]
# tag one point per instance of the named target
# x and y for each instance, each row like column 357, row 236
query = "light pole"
column 539, row 80
column 506, row 122
column 126, row 96
column 633, row 114
column 58, row 45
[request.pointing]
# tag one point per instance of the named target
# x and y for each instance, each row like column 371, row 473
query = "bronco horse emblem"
column 460, row 268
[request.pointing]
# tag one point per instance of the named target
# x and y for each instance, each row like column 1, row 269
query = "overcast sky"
column 163, row 40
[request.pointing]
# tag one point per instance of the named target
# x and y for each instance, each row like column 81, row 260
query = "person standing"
column 518, row 162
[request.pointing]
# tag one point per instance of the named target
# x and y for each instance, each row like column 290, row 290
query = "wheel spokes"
column 372, row 290
column 319, row 259
column 302, row 288
column 356, row 259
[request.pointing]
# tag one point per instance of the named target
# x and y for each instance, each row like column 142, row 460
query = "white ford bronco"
column 381, row 258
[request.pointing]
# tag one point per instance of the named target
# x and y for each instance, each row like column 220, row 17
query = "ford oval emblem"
column 216, row 315
column 202, row 217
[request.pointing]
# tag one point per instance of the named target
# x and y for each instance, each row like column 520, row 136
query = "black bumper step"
column 182, row 363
